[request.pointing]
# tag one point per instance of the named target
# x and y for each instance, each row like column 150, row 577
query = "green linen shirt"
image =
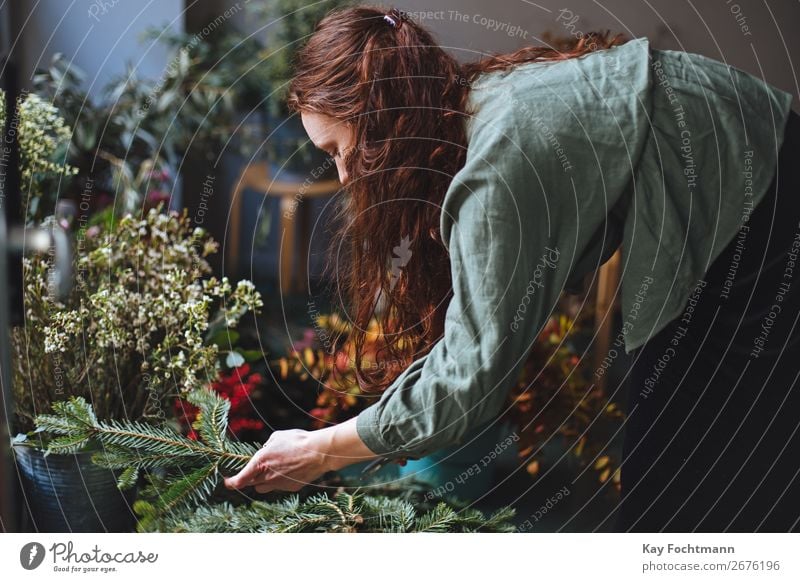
column 662, row 152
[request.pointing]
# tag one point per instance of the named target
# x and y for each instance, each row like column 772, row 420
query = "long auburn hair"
column 406, row 100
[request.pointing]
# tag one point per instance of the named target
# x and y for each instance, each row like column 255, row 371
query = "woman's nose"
column 343, row 177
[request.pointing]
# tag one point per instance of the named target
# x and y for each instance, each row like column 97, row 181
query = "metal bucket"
column 69, row 493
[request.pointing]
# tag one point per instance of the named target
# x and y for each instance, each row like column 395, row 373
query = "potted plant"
column 140, row 328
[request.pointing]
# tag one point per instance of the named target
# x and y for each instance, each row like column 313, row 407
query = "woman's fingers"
column 288, row 460
column 257, row 473
column 252, row 472
column 277, row 483
column 265, row 488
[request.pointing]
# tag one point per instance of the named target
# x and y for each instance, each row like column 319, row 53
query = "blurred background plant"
column 44, row 138
column 132, row 140
column 291, row 24
column 211, row 82
column 554, row 398
column 330, row 370
column 220, row 90
column 238, row 83
column 551, row 399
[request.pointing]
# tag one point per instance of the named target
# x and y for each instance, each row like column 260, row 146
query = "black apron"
column 712, row 442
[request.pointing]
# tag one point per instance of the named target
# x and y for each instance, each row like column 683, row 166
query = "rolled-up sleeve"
column 512, row 242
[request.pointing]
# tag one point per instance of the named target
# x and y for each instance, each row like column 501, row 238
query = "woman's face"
column 331, row 136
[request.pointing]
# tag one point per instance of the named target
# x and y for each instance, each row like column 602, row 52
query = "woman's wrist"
column 341, row 446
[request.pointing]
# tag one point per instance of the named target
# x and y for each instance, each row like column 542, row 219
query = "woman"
column 477, row 193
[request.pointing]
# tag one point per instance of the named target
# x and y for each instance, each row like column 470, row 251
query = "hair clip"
column 390, row 20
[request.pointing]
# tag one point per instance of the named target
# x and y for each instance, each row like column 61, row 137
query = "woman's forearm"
column 342, row 446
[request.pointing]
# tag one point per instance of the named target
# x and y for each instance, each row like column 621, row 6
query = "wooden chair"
column 256, row 176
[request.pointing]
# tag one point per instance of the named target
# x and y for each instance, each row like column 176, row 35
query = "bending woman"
column 508, row 181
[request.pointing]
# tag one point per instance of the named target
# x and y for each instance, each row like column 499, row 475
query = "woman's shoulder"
column 602, row 96
column 561, row 150
column 577, row 125
column 606, row 71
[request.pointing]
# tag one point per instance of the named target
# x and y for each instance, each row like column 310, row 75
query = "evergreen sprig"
column 344, row 513
column 180, row 503
column 131, row 446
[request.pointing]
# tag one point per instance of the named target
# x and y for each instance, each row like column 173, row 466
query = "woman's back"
column 651, row 130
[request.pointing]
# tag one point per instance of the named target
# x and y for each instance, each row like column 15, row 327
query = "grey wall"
column 98, row 35
column 753, row 35
column 768, row 47
column 102, row 34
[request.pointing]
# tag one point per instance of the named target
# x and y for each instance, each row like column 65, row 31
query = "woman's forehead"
column 323, row 129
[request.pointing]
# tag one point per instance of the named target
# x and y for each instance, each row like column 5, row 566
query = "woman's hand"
column 288, row 460
column 293, row 458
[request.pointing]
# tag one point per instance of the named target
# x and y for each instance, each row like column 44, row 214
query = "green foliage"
column 218, row 70
column 121, row 139
column 133, row 446
column 343, row 512
column 212, row 421
column 225, row 71
column 178, row 502
column 290, row 24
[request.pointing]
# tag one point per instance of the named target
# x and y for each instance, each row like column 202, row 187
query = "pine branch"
column 393, row 515
column 179, row 503
column 212, row 421
column 439, row 519
column 345, row 512
column 133, row 446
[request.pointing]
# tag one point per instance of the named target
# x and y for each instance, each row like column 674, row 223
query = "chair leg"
column 303, row 247
column 254, row 176
column 287, row 250
column 604, row 306
column 233, row 233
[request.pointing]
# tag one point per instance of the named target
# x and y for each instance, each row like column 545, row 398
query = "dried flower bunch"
column 135, row 331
